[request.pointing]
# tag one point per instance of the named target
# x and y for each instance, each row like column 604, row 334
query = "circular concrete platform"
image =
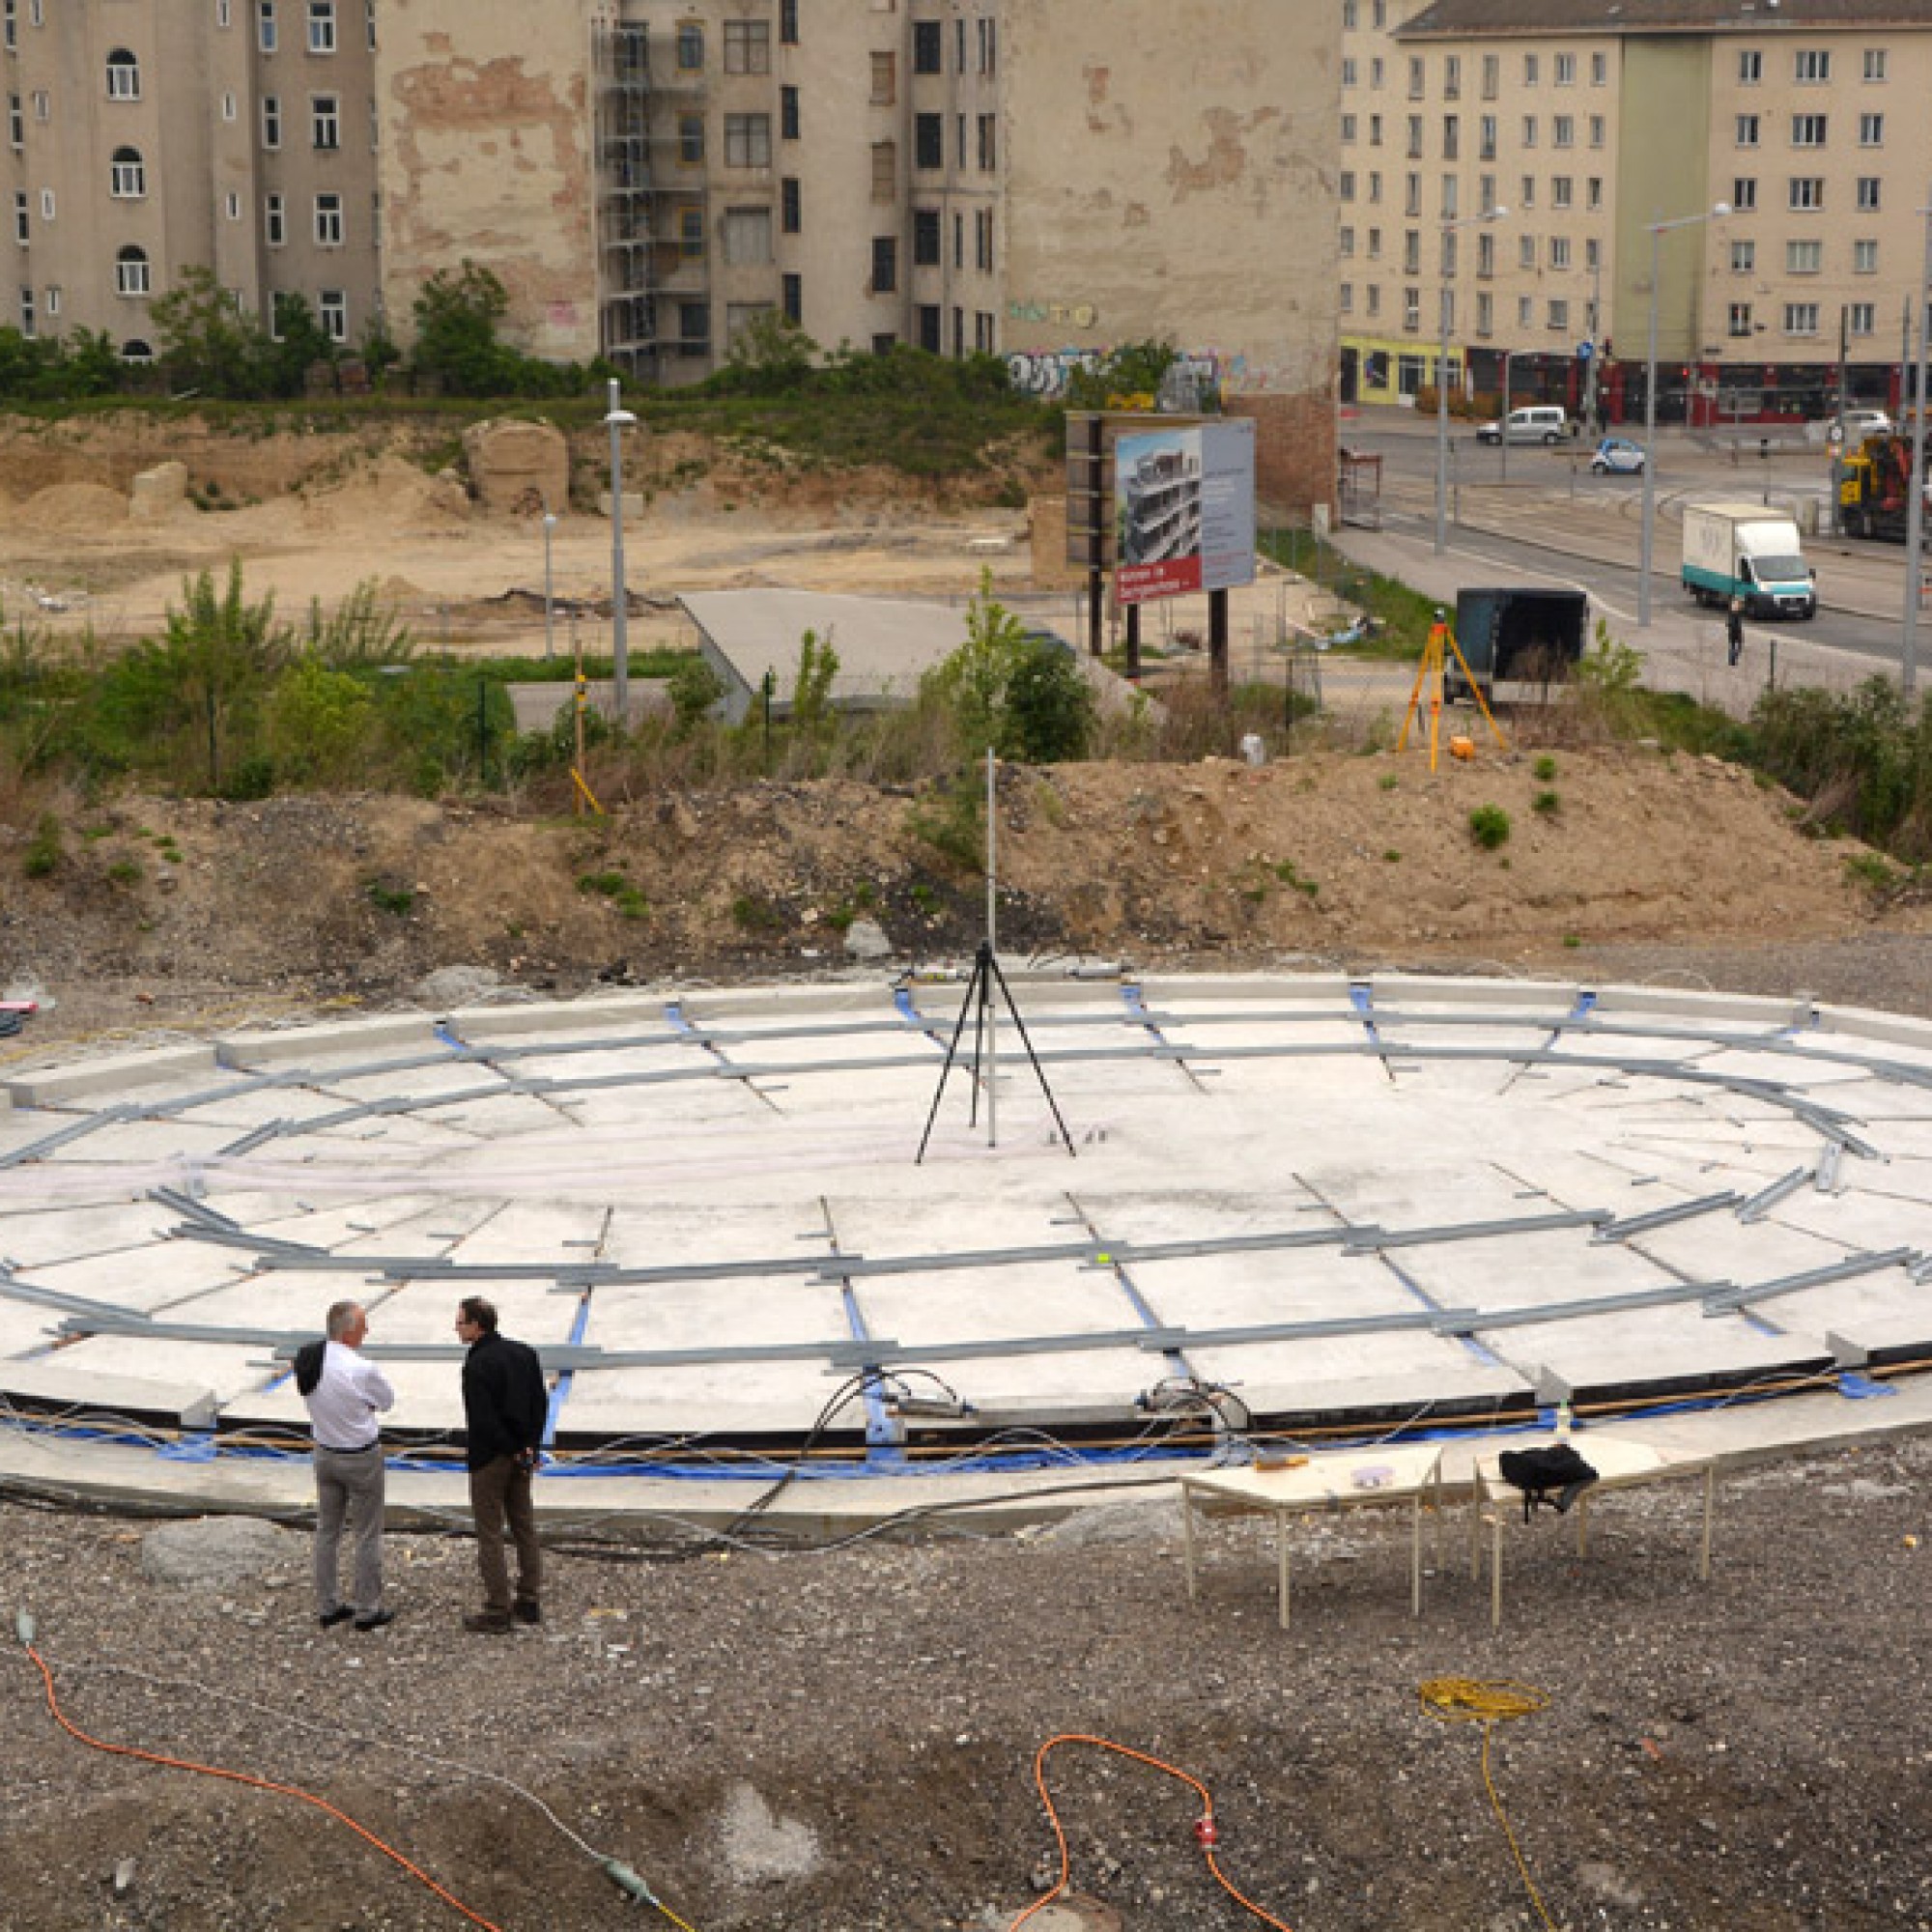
column 1288, row 1204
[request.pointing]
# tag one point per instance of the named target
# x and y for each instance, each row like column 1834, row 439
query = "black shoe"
column 341, row 1614
column 1571, row 1491
column 375, row 1620
column 526, row 1610
column 489, row 1623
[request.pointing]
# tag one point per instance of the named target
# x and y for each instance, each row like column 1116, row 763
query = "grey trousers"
column 348, row 1487
column 500, row 1491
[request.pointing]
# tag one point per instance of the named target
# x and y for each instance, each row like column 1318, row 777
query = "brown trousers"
column 500, row 1494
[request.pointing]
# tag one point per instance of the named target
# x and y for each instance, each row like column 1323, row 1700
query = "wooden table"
column 1333, row 1481
column 1620, row 1465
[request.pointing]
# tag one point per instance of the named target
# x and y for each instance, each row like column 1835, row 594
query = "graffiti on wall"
column 1198, row 380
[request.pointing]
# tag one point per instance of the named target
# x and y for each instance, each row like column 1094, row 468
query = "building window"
column 1527, row 198
column 792, row 290
column 274, row 220
column 690, row 46
column 326, row 121
column 266, row 32
column 1871, row 130
column 333, row 305
column 1803, row 258
column 1563, row 132
column 1412, row 309
column 1596, row 130
column 229, row 108
column 1748, row 130
column 691, row 234
column 738, row 314
column 1485, row 313
column 929, row 338
column 748, row 140
column 53, row 299
column 1559, row 313
column 928, row 48
column 1808, row 130
column 1491, row 76
column 1415, row 77
column 130, row 272
column 328, row 220
column 1485, row 138
column 1564, row 69
column 690, row 139
column 127, row 174
column 748, row 47
column 928, row 141
column 788, row 22
column 272, row 121
column 1807, row 194
column 989, row 150
column 885, row 263
column 16, row 122
column 231, row 203
column 1346, row 242
column 1860, row 318
column 1347, row 71
column 1525, row 252
column 1810, row 67
column 46, row 203
column 694, row 329
column 1559, row 251
column 1529, row 131
column 1346, row 293
column 1864, row 258
column 321, row 26
column 1593, row 192
column 885, row 170
column 1560, row 186
column 1740, row 318
column 885, row 79
column 926, row 238
column 1600, row 70
column 1801, row 318
column 1744, row 194
column 124, row 76
column 1411, row 251
column 788, row 113
column 1869, row 188
column 1529, row 69
column 791, row 217
column 1452, row 132
column 748, row 236
column 1744, row 257
column 1750, row 66
column 22, row 217
column 26, row 309
column 10, row 28
column 1347, row 130
column 1451, row 77
column 1874, row 63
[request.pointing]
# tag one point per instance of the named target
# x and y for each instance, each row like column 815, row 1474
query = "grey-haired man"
column 344, row 1395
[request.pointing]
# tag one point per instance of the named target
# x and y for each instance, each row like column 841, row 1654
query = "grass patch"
column 1489, row 826
column 386, row 896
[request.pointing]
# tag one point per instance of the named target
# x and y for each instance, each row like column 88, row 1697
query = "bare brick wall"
column 1295, row 450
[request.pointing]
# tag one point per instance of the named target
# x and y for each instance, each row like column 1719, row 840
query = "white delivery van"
column 1748, row 552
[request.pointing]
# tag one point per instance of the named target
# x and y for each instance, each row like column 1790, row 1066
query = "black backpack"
column 1553, row 1475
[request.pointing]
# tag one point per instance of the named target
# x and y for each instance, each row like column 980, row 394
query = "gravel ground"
column 845, row 1740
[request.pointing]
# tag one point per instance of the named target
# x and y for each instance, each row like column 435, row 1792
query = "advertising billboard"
column 1184, row 510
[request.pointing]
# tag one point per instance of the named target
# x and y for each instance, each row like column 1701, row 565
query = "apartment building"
column 237, row 135
column 1530, row 176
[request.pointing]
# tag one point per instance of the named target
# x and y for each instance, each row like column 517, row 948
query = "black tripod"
column 978, row 1003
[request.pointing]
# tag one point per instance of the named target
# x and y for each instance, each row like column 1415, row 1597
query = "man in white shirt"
column 344, row 1395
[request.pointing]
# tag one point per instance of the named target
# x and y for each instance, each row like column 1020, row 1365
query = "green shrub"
column 1545, row 770
column 44, row 853
column 386, row 896
column 1488, row 826
column 1548, row 803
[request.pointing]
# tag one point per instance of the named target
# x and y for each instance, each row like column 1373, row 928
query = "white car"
column 1858, row 425
column 1619, row 456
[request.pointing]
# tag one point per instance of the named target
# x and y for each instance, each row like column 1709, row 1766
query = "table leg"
column 1475, row 1520
column 1496, row 1570
column 1187, row 1538
column 1281, row 1558
column 1710, row 1500
column 1416, row 1554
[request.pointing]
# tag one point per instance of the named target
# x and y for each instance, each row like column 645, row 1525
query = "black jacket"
column 504, row 1401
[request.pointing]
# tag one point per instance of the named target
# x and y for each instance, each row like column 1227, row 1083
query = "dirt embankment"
column 164, row 907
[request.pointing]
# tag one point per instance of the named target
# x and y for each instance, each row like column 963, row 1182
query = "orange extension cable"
column 1205, row 1828
column 258, row 1783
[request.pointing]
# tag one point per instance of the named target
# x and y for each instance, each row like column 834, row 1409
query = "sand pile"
column 75, row 509
column 391, row 495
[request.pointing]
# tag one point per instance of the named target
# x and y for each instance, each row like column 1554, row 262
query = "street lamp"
column 1442, row 387
column 617, row 421
column 1657, row 229
column 549, row 599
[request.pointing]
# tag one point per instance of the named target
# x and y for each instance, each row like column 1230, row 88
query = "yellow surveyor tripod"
column 1431, row 675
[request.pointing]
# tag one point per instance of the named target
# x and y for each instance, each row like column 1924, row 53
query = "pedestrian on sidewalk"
column 504, row 1404
column 344, row 1395
column 1734, row 629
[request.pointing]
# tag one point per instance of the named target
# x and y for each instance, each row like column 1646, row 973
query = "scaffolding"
column 653, row 224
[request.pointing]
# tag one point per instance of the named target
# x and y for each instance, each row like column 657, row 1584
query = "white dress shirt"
column 344, row 1403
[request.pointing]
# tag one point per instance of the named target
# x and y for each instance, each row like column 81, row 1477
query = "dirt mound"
column 75, row 509
column 391, row 494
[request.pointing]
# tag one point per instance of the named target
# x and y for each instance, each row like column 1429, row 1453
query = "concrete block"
column 1693, row 1008
column 50, row 1384
column 120, row 1073
column 1899, row 1028
column 1395, row 989
column 282, row 1045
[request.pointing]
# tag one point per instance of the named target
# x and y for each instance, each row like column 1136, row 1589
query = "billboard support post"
column 1217, row 643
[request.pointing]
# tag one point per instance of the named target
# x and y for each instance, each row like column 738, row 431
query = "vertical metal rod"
column 992, row 941
column 1649, row 524
column 620, row 657
column 1442, row 425
column 550, row 600
column 1914, row 514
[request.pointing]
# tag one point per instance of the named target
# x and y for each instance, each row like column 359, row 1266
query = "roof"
column 1579, row 19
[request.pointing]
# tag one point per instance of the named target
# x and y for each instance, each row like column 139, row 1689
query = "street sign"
column 1586, row 350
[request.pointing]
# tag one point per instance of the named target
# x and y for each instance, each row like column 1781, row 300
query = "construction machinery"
column 1875, row 488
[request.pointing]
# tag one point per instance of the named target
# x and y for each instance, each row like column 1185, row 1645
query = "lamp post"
column 550, row 597
column 1443, row 387
column 617, row 421
column 1657, row 229
column 1914, row 514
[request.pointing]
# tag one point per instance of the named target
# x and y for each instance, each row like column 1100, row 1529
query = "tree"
column 769, row 356
column 208, row 343
column 222, row 653
column 457, row 315
column 1007, row 688
column 301, row 342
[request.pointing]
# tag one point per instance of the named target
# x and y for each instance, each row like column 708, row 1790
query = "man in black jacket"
column 504, row 1404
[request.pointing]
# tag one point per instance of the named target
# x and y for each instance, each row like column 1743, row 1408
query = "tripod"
column 978, row 1002
column 1432, row 672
